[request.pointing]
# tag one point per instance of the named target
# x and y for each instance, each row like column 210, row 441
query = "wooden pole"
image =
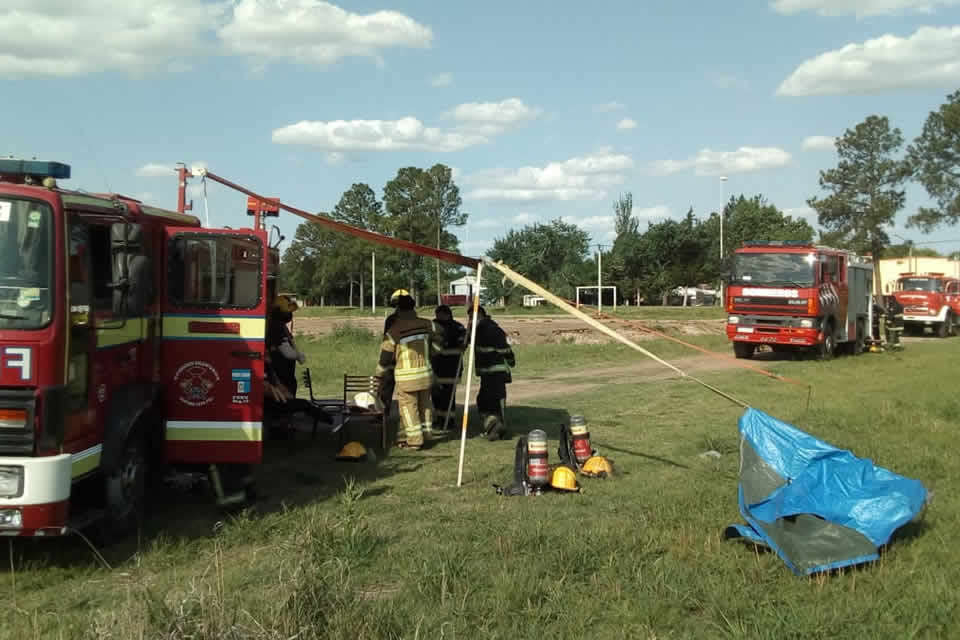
column 466, row 400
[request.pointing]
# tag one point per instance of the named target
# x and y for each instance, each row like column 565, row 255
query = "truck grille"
column 14, row 441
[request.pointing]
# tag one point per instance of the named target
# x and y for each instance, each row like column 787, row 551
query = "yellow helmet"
column 352, row 451
column 396, row 295
column 284, row 303
column 597, row 466
column 564, row 478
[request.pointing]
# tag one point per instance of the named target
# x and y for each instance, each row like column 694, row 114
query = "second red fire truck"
column 798, row 296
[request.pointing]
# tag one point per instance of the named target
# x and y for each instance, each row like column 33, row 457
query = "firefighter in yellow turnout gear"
column 406, row 349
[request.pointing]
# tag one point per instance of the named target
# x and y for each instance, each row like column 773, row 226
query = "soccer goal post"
column 599, row 294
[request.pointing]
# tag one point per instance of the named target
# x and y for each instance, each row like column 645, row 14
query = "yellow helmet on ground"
column 597, row 467
column 396, row 295
column 564, row 478
column 352, row 451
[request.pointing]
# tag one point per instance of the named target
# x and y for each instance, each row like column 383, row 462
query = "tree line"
column 419, row 205
column 862, row 196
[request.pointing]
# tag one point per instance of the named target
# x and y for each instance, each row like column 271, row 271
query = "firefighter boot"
column 492, row 426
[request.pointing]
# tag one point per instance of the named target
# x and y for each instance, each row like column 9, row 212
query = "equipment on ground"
column 597, row 467
column 537, row 464
column 798, row 296
column 352, row 451
column 521, row 485
column 581, row 439
column 563, row 478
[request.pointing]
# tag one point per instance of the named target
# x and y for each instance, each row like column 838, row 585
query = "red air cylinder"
column 581, row 439
column 538, row 472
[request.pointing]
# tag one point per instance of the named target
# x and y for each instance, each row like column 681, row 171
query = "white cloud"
column 715, row 163
column 523, row 218
column 164, row 170
column 155, row 170
column 928, row 59
column 61, row 38
column 315, row 32
column 491, row 118
column 807, row 213
column 607, row 107
column 374, row 135
column 582, row 177
column 652, row 213
column 819, row 143
column 73, row 38
column 441, row 80
column 334, row 158
column 627, row 123
column 860, row 8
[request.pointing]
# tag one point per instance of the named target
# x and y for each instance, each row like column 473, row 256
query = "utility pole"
column 723, row 207
column 373, row 284
column 599, row 284
column 438, row 261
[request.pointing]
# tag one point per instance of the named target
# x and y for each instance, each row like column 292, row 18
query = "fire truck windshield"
column 793, row 269
column 26, row 236
column 920, row 284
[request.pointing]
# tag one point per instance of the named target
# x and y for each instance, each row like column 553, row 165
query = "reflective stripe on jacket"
column 493, row 353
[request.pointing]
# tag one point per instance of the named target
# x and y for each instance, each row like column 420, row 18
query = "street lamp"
column 723, row 206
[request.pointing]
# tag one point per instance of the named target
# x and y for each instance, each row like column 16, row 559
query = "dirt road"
column 533, row 329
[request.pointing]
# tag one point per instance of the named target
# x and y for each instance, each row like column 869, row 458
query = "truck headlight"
column 806, row 323
column 13, row 419
column 11, row 482
column 733, row 319
column 11, row 519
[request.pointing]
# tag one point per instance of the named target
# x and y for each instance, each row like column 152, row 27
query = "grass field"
column 395, row 550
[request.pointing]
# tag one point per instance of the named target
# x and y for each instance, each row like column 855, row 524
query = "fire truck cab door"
column 214, row 323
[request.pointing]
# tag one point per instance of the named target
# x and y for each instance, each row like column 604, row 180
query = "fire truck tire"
column 125, row 488
column 945, row 328
column 743, row 350
column 827, row 348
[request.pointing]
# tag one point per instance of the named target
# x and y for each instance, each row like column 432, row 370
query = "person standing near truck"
column 406, row 351
column 494, row 360
column 446, row 361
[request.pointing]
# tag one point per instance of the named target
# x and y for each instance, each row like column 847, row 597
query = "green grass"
column 399, row 552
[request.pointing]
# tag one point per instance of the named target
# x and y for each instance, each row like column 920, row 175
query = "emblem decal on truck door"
column 196, row 380
column 19, row 358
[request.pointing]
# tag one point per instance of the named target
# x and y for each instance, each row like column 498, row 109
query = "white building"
column 466, row 286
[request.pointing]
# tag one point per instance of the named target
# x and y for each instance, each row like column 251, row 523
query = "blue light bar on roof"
column 40, row 168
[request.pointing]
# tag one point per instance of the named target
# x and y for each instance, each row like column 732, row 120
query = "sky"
column 544, row 110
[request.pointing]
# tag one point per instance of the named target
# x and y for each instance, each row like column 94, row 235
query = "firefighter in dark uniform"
column 389, row 382
column 446, row 360
column 494, row 359
column 894, row 321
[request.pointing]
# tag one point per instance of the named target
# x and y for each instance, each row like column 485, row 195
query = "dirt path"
column 533, row 329
column 592, row 377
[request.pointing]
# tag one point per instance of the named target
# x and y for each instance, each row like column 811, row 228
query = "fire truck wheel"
column 743, row 350
column 945, row 328
column 828, row 347
column 125, row 488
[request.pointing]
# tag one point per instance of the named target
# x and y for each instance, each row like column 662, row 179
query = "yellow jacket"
column 406, row 349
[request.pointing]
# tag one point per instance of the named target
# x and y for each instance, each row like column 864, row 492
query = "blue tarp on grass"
column 816, row 506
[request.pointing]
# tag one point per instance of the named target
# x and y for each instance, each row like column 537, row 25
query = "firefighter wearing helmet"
column 388, row 382
column 405, row 351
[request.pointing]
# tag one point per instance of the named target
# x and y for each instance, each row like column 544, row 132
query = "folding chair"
column 353, row 385
column 319, row 404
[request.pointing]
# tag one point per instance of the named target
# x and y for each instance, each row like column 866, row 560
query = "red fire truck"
column 129, row 335
column 794, row 295
column 929, row 300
